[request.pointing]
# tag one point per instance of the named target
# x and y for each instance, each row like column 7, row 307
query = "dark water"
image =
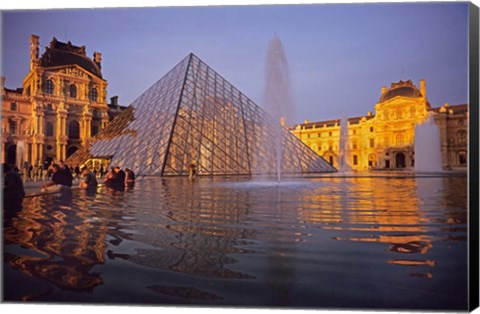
column 389, row 243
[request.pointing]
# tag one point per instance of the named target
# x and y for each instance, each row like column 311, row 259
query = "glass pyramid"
column 193, row 115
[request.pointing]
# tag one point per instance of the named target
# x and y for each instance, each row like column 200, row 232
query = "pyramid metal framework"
column 193, row 115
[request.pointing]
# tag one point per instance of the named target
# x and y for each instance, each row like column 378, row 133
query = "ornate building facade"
column 385, row 140
column 61, row 105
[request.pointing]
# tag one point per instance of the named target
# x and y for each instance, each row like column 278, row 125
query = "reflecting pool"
column 329, row 242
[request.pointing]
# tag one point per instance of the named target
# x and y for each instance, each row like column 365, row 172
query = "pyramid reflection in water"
column 193, row 115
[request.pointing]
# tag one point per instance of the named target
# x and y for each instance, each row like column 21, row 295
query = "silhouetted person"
column 61, row 179
column 66, row 171
column 89, row 180
column 192, row 171
column 110, row 177
column 120, row 176
column 77, row 171
column 13, row 192
column 129, row 178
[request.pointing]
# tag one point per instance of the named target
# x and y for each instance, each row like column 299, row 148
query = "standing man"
column 119, row 177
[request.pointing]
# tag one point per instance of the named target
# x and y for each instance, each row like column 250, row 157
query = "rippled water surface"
column 324, row 243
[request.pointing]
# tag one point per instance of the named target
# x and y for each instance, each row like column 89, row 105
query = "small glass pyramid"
column 193, row 115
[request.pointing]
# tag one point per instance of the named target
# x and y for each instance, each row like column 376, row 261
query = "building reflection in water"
column 396, row 212
column 66, row 241
column 213, row 241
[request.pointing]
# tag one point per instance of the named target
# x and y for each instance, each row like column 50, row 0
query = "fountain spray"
column 278, row 94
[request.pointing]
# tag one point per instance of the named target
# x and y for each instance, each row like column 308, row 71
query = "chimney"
column 97, row 57
column 114, row 101
column 34, row 44
column 384, row 89
column 423, row 88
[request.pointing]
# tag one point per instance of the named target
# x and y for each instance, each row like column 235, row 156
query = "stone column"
column 40, row 151
column 61, row 140
column 37, row 132
column 28, row 153
column 86, row 125
column 35, row 155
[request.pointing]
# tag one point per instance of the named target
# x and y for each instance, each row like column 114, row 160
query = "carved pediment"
column 74, row 71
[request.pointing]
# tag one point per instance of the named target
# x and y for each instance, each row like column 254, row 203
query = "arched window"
column 73, row 91
column 74, row 130
column 48, row 86
column 93, row 94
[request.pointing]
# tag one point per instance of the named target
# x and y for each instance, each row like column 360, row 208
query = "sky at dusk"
column 339, row 55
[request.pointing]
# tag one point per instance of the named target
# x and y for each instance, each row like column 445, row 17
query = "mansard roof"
column 61, row 54
column 404, row 89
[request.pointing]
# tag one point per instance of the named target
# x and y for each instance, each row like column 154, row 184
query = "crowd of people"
column 44, row 171
column 63, row 176
column 59, row 176
column 118, row 179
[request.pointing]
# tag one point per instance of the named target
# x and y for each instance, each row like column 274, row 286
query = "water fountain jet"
column 343, row 154
column 428, row 152
column 278, row 95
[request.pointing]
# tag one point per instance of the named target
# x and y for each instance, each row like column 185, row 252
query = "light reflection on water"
column 328, row 242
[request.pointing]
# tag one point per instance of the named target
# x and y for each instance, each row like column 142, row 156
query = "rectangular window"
column 13, row 106
column 355, row 160
column 372, row 143
column 13, row 127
